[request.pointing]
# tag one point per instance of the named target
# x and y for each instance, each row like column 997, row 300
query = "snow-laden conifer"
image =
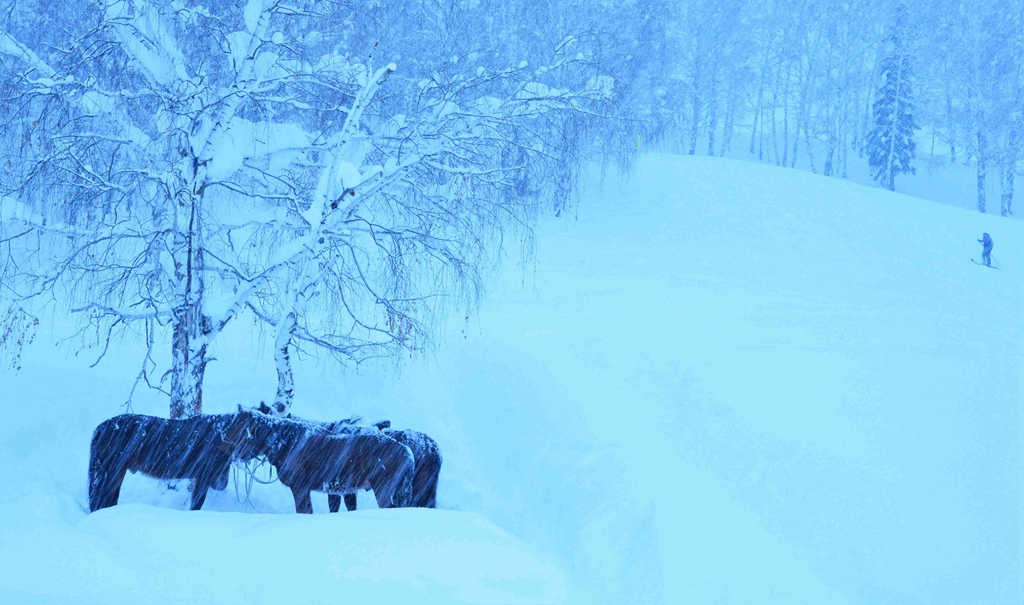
column 890, row 144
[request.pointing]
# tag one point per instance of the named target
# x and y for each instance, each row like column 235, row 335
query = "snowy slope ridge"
column 723, row 382
column 767, row 386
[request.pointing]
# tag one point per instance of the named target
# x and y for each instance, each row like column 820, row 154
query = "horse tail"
column 403, row 491
column 396, row 491
column 107, row 462
column 98, row 468
column 426, row 476
column 428, row 466
column 403, row 494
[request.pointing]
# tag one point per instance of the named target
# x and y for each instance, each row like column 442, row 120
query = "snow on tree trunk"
column 712, row 121
column 190, row 327
column 695, row 104
column 188, row 354
column 982, row 169
column 951, row 117
column 730, row 120
column 1006, row 198
column 1008, row 166
column 758, row 125
column 283, row 363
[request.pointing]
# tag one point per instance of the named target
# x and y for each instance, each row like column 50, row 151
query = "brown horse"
column 309, row 458
column 424, row 450
column 193, row 448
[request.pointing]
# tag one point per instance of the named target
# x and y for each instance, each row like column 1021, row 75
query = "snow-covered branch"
column 201, row 163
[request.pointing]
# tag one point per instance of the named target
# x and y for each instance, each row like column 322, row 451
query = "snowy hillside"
column 723, row 382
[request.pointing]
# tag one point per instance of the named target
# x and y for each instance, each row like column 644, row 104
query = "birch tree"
column 172, row 167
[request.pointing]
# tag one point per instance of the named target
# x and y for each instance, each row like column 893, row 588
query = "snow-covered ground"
column 936, row 178
column 720, row 382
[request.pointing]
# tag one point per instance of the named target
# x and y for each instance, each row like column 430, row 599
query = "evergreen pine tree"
column 890, row 144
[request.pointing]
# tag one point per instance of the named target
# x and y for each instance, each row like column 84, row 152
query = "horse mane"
column 352, row 424
column 267, row 418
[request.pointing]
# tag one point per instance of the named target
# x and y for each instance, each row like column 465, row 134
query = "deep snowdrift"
column 723, row 382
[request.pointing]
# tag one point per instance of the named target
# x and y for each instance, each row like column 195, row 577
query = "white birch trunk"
column 982, row 170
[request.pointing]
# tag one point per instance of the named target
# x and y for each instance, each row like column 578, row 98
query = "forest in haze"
column 613, row 300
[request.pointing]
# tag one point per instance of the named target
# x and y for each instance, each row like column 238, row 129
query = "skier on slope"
column 986, row 249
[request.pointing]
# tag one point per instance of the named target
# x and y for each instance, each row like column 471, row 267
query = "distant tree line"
column 798, row 80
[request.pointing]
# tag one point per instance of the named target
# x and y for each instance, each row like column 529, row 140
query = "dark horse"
column 193, row 448
column 424, row 450
column 309, row 458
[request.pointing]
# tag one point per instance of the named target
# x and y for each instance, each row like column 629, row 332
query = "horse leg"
column 384, row 496
column 303, row 503
column 98, row 487
column 350, row 502
column 115, row 487
column 334, row 502
column 428, row 496
column 403, row 493
column 107, row 491
column 390, row 495
column 199, row 489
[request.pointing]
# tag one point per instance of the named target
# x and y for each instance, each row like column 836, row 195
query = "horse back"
column 343, row 463
column 164, row 448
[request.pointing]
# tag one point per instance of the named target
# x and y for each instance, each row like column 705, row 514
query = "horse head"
column 248, row 433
